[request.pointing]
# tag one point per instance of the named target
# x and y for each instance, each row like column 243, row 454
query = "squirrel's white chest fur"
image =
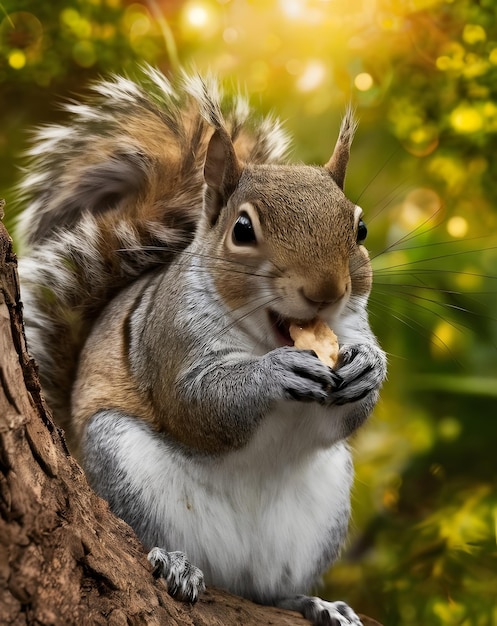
column 263, row 521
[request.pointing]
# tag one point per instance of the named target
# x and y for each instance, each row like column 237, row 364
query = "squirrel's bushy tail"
column 112, row 194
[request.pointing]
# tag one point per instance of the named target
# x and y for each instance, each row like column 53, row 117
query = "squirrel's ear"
column 221, row 171
column 337, row 165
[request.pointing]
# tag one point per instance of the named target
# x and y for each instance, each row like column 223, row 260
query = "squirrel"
column 168, row 245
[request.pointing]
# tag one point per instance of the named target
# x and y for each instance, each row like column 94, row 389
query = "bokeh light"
column 17, row 59
column 197, row 15
column 312, row 76
column 363, row 81
column 457, row 226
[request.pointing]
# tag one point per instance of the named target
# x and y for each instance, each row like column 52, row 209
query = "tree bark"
column 64, row 557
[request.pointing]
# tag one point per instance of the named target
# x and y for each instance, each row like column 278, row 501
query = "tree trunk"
column 64, row 557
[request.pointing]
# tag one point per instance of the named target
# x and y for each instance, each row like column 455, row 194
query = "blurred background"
column 423, row 77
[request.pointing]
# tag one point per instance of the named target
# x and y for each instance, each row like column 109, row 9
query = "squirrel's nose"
column 324, row 294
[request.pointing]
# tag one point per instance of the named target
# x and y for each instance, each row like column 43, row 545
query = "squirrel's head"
column 285, row 238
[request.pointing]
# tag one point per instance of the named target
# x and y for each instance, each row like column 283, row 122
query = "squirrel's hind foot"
column 184, row 581
column 320, row 612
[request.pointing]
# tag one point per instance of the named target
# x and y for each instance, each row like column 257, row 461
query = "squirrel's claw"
column 321, row 612
column 184, row 581
column 362, row 369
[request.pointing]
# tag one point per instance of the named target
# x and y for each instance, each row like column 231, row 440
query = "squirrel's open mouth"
column 281, row 327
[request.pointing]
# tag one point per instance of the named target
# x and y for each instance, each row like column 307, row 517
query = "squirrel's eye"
column 243, row 231
column 362, row 231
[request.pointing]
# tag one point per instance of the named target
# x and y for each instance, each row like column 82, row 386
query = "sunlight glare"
column 312, row 76
column 293, row 9
column 197, row 15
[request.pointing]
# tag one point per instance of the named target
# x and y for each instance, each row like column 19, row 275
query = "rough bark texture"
column 64, row 557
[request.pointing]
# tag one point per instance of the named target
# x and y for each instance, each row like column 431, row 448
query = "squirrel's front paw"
column 299, row 375
column 184, row 581
column 362, row 369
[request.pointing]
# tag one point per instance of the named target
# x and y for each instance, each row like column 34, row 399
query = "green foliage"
column 423, row 75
